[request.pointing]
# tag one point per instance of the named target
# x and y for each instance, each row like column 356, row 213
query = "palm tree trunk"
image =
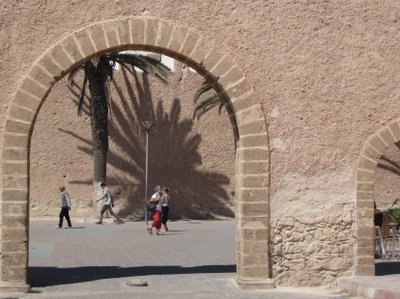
column 99, row 119
column 97, row 79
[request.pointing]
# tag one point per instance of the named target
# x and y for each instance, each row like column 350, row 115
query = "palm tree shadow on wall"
column 174, row 156
column 388, row 164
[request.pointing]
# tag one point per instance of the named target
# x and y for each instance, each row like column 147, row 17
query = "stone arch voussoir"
column 165, row 37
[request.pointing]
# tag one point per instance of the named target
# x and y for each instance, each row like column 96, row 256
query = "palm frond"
column 204, row 87
column 206, row 105
column 129, row 69
column 147, row 64
column 81, row 88
column 82, row 95
column 156, row 68
column 108, row 95
column 108, row 68
column 106, row 64
column 72, row 74
column 221, row 106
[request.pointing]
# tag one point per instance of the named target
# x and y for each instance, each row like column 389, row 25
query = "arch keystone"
column 98, row 37
column 151, row 31
column 178, row 36
column 136, row 31
column 117, row 33
column 164, row 34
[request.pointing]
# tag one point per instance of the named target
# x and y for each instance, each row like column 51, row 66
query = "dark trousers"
column 64, row 213
column 164, row 217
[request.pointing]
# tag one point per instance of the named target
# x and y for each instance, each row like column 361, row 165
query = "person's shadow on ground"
column 51, row 276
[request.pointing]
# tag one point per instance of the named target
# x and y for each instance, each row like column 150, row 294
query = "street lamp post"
column 147, row 124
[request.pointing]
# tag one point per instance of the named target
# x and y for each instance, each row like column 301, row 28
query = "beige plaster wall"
column 326, row 73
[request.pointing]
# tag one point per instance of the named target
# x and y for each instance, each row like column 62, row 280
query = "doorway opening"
column 159, row 36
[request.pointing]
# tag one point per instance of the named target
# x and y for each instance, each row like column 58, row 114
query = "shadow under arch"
column 164, row 37
column 368, row 162
column 52, row 276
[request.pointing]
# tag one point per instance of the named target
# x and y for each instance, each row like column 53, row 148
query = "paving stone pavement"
column 375, row 287
column 195, row 259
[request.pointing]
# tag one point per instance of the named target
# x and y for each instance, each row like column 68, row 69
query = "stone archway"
column 141, row 33
column 373, row 148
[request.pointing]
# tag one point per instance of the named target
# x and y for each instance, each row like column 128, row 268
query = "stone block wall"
column 312, row 251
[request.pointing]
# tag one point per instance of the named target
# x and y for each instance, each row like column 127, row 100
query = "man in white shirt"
column 107, row 204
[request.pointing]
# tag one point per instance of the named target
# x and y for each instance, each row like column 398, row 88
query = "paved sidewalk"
column 195, row 259
column 376, row 287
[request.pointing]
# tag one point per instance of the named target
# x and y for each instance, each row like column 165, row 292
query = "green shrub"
column 394, row 213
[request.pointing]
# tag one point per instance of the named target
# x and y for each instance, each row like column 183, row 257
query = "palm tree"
column 98, row 72
column 212, row 100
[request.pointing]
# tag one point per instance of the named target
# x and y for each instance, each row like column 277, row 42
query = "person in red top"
column 156, row 213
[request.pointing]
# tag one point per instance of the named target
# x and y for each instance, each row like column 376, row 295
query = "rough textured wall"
column 193, row 158
column 312, row 251
column 326, row 73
